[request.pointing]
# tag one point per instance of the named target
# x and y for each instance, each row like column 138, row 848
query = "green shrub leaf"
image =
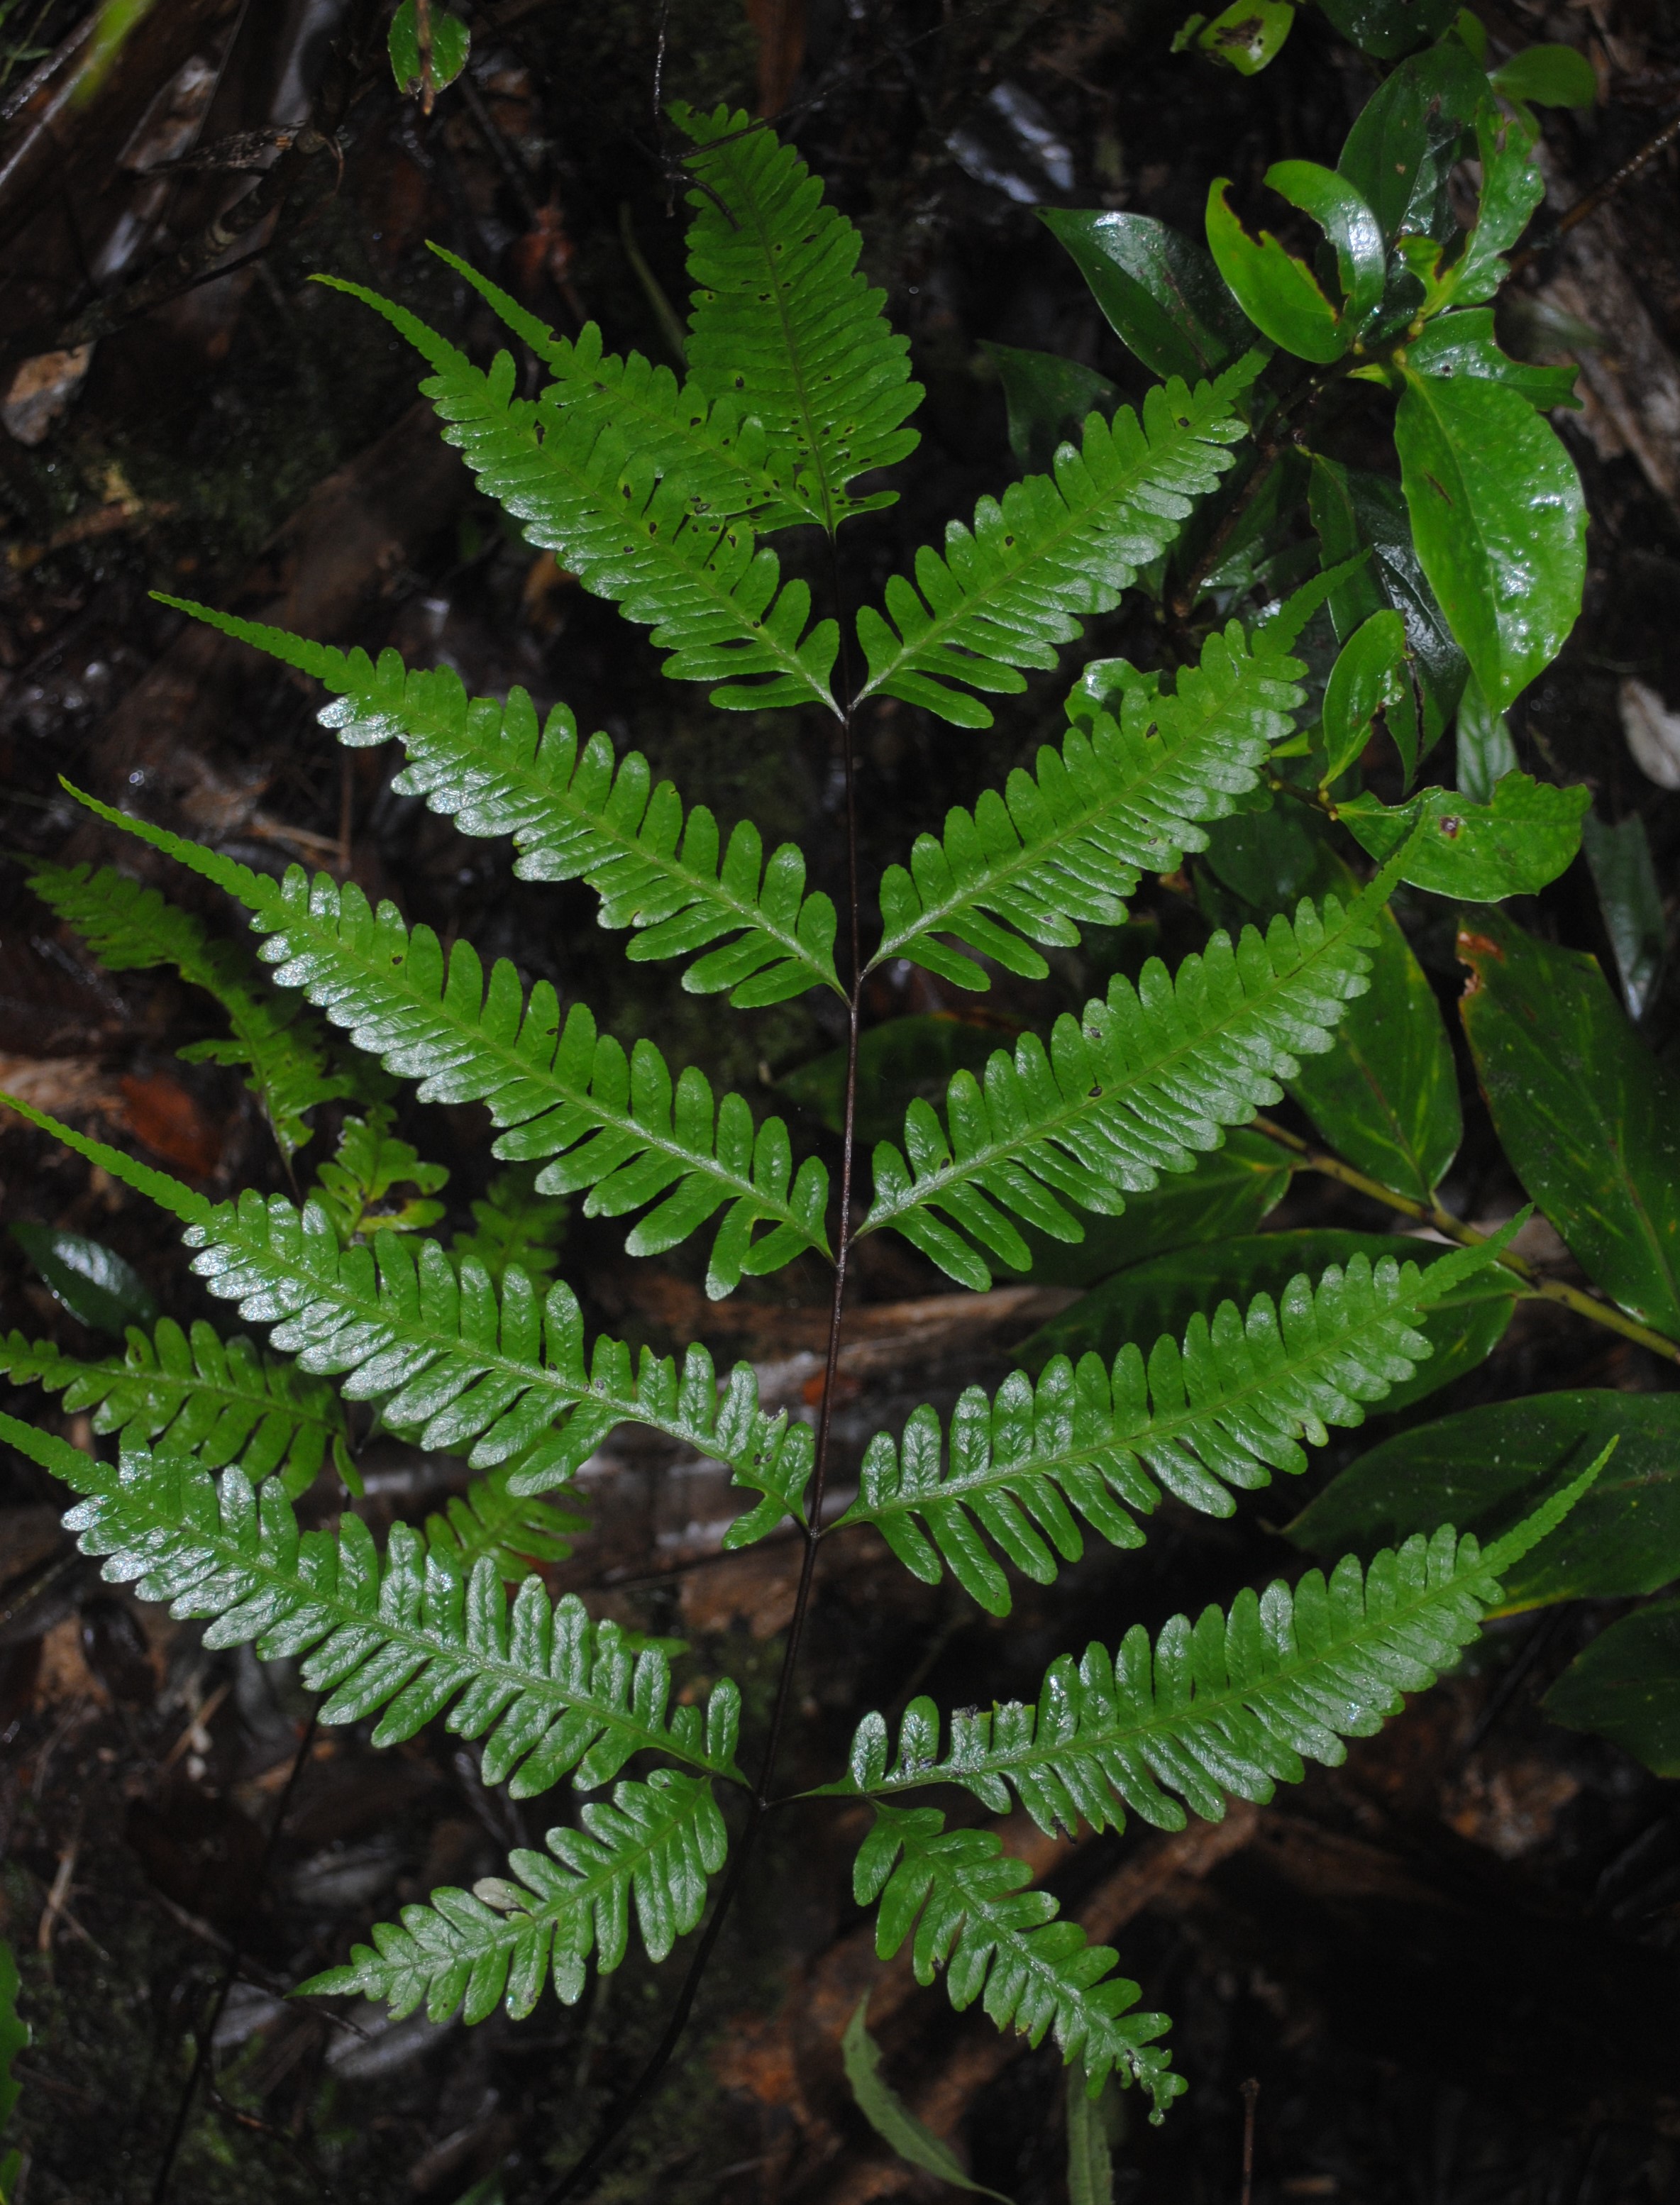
column 1478, row 852
column 1160, row 294
column 1626, row 1686
column 1279, row 294
column 887, row 2114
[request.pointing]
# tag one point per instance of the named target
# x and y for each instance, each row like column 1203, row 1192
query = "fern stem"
column 1535, row 1288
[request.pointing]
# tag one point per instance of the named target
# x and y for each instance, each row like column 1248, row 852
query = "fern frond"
column 451, row 1361
column 514, row 1224
column 1006, row 593
column 656, row 1844
column 1065, row 846
column 719, row 448
column 218, row 1400
column 1228, row 1706
column 130, row 928
column 578, row 815
column 1230, row 1406
column 549, row 1691
column 965, row 1899
column 514, row 1530
column 618, row 1125
column 784, row 325
column 1151, row 1078
column 597, row 499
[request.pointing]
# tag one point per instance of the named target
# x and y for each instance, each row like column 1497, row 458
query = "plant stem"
column 761, row 1799
column 1535, row 1287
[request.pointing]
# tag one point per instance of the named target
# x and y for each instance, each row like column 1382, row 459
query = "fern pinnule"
column 1056, row 548
column 576, row 813
column 196, row 1393
column 1230, row 1406
column 513, row 1530
column 595, row 497
column 405, row 1633
column 1064, row 845
column 618, row 1125
column 784, row 325
column 963, row 1902
column 1228, row 1706
column 654, row 1846
column 1150, row 1078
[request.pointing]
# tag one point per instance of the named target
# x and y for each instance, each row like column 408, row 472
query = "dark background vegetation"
column 1451, row 1964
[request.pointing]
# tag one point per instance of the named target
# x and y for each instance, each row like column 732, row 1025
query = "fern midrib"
column 1031, row 856
column 1204, row 1707
column 296, row 920
column 997, row 1477
column 928, row 645
column 927, row 1187
column 409, row 1328
column 235, row 1559
column 759, row 489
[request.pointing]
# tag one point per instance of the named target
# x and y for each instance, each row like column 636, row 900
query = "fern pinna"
column 658, row 492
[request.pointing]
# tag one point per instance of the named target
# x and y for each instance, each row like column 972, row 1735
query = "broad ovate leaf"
column 1478, row 853
column 1279, row 294
column 1158, row 290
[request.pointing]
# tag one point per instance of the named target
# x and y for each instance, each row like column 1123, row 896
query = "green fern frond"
column 720, row 448
column 1227, row 1708
column 784, row 325
column 514, row 1224
column 1065, row 846
column 549, row 1691
column 451, row 1361
column 965, row 1899
column 1225, row 1411
column 1007, row 593
column 218, row 1400
column 618, row 1125
column 578, row 814
column 595, row 497
column 1149, row 1080
column 130, row 928
column 359, row 1187
column 514, row 1530
column 656, row 1844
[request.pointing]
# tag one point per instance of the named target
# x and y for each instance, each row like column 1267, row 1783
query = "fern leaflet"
column 1150, row 1079
column 1226, row 1409
column 514, row 1224
column 452, row 1361
column 595, row 497
column 964, row 1899
column 1228, row 1706
column 218, row 1400
column 514, row 1530
column 1065, row 845
column 550, row 1692
column 1007, row 593
column 618, row 1125
column 130, row 927
column 656, row 1844
column 784, row 325
column 578, row 814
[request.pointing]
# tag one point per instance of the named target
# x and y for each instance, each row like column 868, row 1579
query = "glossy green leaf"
column 1354, row 510
column 1279, row 294
column 1387, row 28
column 1229, row 1192
column 1549, row 76
column 1247, row 35
column 93, row 1282
column 897, row 1061
column 1626, row 1686
column 1159, row 291
column 1090, row 2164
column 1500, row 523
column 1362, row 684
column 1354, row 234
column 444, row 54
column 1268, row 857
column 1478, row 852
column 887, row 2114
column 1401, row 150
column 1159, row 1297
column 1512, row 186
column 1047, row 398
column 1631, row 902
column 1486, row 753
column 1487, row 1467
column 1463, row 343
column 1590, row 1122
